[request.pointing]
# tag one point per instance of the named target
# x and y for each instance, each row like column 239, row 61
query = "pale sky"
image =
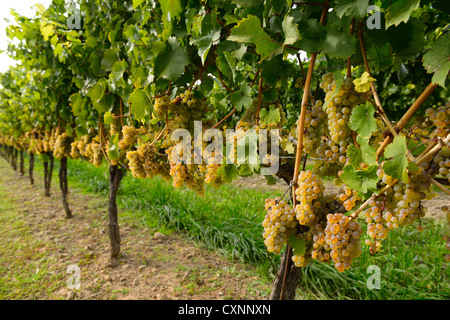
column 23, row 7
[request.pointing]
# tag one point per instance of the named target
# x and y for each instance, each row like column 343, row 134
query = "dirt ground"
column 152, row 266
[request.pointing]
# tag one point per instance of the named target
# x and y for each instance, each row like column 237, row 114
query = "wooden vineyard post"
column 63, row 185
column 116, row 174
column 30, row 168
column 48, row 172
column 21, row 164
column 285, row 283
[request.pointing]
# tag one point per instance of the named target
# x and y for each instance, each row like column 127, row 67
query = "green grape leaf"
column 242, row 98
column 246, row 3
column 171, row 61
column 113, row 150
column 413, row 167
column 353, row 8
column 397, row 167
column 140, row 103
column 298, row 245
column 271, row 116
column 91, row 42
column 108, row 118
column 110, row 57
column 104, row 103
column 400, row 11
column 437, row 60
column 246, row 169
column 208, row 34
column 364, row 154
column 97, row 92
column 118, row 69
column 95, row 63
column 81, row 130
column 339, row 44
column 290, row 29
column 227, row 64
column 313, row 35
column 171, row 8
column 141, row 77
column 228, row 172
column 362, row 120
column 363, row 181
column 137, row 3
column 249, row 30
column 76, row 101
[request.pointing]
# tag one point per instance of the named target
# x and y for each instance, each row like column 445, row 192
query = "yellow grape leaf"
column 47, row 30
column 363, row 84
column 288, row 146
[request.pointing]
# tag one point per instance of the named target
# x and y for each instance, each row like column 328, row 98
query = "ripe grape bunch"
column 279, row 223
column 339, row 108
column 62, row 146
column 145, row 163
column 310, row 188
column 129, row 137
column 343, row 239
column 438, row 117
column 400, row 206
column 314, row 128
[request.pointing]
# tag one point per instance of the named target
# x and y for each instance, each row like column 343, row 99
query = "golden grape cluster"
column 400, row 206
column 279, row 223
column 62, row 146
column 439, row 117
column 315, row 128
column 339, row 109
column 348, row 197
column 309, row 189
column 342, row 235
column 329, row 235
column 146, row 163
column 89, row 148
column 129, row 137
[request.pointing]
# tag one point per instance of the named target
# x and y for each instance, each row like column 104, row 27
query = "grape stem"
column 304, row 77
column 259, row 101
column 380, row 109
column 102, row 140
column 162, row 131
column 433, row 150
column 420, row 144
column 440, row 186
column 407, row 116
column 222, row 82
column 285, row 192
column 221, row 121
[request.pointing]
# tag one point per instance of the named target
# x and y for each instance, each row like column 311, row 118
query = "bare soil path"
column 38, row 244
